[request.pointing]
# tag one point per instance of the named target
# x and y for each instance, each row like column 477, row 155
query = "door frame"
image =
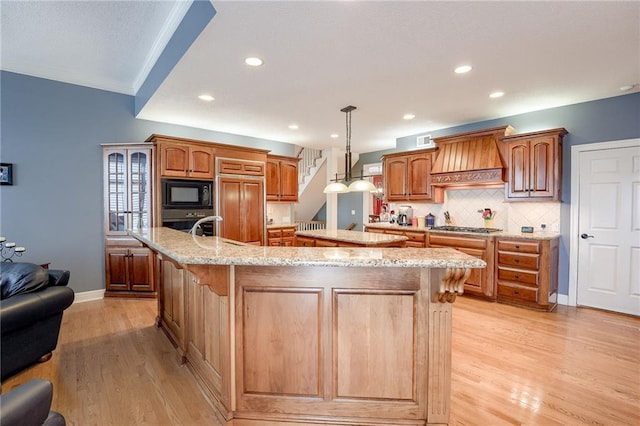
column 574, row 241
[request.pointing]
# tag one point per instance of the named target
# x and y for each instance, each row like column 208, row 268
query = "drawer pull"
column 516, row 292
column 517, row 260
column 517, row 276
column 517, row 246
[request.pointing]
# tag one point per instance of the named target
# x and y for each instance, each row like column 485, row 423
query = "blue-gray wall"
column 603, row 120
column 52, row 132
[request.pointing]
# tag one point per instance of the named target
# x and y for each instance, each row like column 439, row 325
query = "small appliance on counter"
column 405, row 215
column 431, row 220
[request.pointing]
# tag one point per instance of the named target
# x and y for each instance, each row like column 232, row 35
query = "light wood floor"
column 511, row 366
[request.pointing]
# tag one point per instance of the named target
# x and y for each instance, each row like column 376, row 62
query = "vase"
column 488, row 223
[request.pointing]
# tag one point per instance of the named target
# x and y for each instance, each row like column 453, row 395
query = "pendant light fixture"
column 361, row 185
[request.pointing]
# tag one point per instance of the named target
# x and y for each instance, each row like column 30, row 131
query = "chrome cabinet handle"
column 585, row 236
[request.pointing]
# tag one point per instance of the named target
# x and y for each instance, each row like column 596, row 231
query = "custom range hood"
column 472, row 159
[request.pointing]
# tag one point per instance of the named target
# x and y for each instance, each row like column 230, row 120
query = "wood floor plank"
column 510, row 366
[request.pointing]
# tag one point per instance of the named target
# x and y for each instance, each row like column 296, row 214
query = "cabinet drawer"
column 519, row 246
column 374, row 230
column 517, row 275
column 528, row 261
column 240, row 167
column 450, row 241
column 517, row 292
column 305, row 242
column 288, row 232
column 274, row 233
column 416, row 236
column 416, row 244
column 326, row 243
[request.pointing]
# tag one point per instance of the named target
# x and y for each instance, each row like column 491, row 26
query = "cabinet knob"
column 516, row 292
column 518, row 246
column 517, row 260
column 517, row 275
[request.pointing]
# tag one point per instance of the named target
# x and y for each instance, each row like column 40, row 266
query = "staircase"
column 311, row 181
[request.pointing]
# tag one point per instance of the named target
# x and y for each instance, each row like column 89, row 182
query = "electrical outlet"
column 353, row 212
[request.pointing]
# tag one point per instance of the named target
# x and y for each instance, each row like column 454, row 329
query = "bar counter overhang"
column 292, row 336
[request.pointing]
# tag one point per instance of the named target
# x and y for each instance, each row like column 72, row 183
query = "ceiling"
column 387, row 58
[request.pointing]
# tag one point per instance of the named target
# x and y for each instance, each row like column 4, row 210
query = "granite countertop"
column 281, row 225
column 191, row 249
column 499, row 234
column 355, row 237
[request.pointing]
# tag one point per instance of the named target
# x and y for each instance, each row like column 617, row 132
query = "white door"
column 608, row 243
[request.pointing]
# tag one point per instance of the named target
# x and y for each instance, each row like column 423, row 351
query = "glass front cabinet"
column 127, row 205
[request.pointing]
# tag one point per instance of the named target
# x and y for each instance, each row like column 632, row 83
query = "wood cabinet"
column 186, row 160
column 407, row 177
column 234, row 166
column 281, row 236
column 282, row 178
column 534, row 164
column 527, row 272
column 241, row 205
column 208, row 345
column 481, row 281
column 171, row 303
column 127, row 180
column 129, row 269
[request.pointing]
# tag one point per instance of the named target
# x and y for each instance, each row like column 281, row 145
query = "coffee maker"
column 405, row 215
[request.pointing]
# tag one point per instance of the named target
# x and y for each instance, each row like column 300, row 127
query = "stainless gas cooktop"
column 466, row 229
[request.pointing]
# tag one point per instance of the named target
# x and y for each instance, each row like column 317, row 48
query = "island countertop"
column 196, row 250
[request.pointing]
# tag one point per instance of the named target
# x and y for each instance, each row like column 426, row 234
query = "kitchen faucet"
column 204, row 219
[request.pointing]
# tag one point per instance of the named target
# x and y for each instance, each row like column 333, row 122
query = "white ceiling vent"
column 425, row 141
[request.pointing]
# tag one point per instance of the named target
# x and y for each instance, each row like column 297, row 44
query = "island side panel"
column 360, row 337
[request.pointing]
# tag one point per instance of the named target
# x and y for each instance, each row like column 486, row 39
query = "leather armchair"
column 29, row 405
column 30, row 319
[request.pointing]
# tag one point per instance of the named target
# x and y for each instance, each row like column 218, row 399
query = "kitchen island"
column 314, row 336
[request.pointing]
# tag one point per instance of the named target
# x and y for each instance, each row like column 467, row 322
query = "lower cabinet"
column 129, row 269
column 208, row 338
column 527, row 272
column 284, row 236
column 481, row 281
column 171, row 301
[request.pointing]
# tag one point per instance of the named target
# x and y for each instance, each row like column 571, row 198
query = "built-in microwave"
column 184, row 193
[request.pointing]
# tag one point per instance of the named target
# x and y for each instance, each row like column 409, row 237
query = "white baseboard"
column 563, row 299
column 87, row 296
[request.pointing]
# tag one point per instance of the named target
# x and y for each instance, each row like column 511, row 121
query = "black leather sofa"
column 30, row 405
column 31, row 306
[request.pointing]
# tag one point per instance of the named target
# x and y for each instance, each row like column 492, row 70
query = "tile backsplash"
column 463, row 206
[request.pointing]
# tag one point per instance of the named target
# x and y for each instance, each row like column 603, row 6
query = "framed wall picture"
column 6, row 174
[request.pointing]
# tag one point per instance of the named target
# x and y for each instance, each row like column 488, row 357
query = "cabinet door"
column 174, row 161
column 541, row 163
column 139, row 188
column 242, row 209
column 518, row 164
column 173, row 301
column 273, row 180
column 201, row 162
column 419, row 177
column 395, row 176
column 288, row 180
column 140, row 269
column 117, row 268
column 477, row 281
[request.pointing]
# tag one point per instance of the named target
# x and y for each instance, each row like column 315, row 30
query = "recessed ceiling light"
column 496, row 94
column 293, row 126
column 207, row 98
column 334, row 135
column 462, row 69
column 253, row 61
column 408, row 116
column 627, row 87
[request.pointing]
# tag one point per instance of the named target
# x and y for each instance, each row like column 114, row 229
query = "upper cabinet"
column 407, row 177
column 534, row 164
column 184, row 160
column 282, row 178
column 127, row 186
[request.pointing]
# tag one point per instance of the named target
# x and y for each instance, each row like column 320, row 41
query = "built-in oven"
column 186, row 201
column 185, row 219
